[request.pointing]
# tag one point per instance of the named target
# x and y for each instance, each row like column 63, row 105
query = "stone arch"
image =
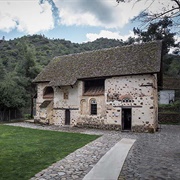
column 83, row 106
column 126, row 98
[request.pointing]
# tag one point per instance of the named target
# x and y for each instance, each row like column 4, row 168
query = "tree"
column 2, row 71
column 13, row 96
column 27, row 70
column 174, row 67
column 160, row 30
column 172, row 10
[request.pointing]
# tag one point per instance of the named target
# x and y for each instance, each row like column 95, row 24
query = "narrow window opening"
column 93, row 107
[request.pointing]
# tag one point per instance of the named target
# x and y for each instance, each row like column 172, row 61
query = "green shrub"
column 27, row 116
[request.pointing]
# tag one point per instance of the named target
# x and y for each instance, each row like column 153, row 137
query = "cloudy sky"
column 74, row 20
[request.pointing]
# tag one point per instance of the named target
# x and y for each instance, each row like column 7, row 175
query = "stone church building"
column 114, row 88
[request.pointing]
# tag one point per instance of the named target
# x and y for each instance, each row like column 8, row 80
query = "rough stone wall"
column 66, row 98
column 169, row 118
column 136, row 92
column 155, row 123
column 139, row 93
column 42, row 114
column 59, row 117
column 85, row 116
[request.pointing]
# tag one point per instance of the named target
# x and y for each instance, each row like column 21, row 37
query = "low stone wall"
column 99, row 126
column 99, row 123
column 168, row 109
column 169, row 118
column 116, row 127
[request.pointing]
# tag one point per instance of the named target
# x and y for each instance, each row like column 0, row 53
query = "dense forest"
column 23, row 58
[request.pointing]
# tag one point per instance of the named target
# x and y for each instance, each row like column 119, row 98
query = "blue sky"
column 75, row 20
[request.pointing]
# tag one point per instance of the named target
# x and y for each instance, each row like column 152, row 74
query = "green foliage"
column 158, row 31
column 12, row 94
column 2, row 72
column 161, row 30
column 25, row 152
column 175, row 104
column 27, row 116
column 171, row 65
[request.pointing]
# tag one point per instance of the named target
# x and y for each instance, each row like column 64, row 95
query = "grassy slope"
column 24, row 152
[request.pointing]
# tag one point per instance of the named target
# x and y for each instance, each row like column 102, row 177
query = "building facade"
column 113, row 88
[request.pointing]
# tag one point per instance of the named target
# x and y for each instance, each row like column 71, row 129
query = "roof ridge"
column 110, row 48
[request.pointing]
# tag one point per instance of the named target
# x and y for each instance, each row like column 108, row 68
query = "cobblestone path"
column 153, row 156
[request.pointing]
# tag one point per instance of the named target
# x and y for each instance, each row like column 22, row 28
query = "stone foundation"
column 143, row 128
column 99, row 126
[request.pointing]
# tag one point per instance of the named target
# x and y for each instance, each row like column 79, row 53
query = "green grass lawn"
column 24, row 152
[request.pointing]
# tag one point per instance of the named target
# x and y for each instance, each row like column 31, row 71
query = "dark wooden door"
column 67, row 117
column 126, row 119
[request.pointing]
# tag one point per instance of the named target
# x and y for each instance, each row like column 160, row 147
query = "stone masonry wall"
column 138, row 93
column 59, row 117
column 66, row 98
column 42, row 114
column 135, row 92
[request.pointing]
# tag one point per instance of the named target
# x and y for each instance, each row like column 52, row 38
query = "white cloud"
column 31, row 17
column 159, row 5
column 105, row 13
column 78, row 19
column 109, row 35
column 177, row 40
column 25, row 16
column 96, row 13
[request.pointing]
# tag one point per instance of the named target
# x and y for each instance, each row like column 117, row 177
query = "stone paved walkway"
column 153, row 156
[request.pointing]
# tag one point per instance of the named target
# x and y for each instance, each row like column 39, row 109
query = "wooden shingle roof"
column 125, row 60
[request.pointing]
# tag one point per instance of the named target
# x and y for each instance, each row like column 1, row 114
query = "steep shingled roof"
column 125, row 60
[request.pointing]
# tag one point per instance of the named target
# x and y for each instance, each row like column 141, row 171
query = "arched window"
column 48, row 92
column 126, row 100
column 93, row 107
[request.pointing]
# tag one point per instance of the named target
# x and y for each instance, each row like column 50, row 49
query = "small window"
column 66, row 95
column 93, row 107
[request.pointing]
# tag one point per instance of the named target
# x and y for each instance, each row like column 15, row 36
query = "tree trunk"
column 32, row 105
